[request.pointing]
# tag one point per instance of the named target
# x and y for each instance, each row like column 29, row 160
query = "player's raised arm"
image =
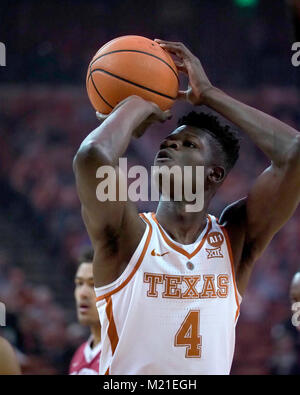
column 275, row 194
column 107, row 221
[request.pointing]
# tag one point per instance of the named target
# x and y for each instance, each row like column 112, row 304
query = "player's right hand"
column 190, row 65
column 156, row 114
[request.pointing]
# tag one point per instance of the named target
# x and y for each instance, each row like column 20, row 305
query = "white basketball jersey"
column 174, row 309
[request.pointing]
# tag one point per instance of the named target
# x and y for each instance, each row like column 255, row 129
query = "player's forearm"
column 277, row 140
column 113, row 136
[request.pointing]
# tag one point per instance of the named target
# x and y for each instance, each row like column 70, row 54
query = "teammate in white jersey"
column 169, row 284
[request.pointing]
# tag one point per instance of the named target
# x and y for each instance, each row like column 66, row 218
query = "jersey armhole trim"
column 137, row 265
column 238, row 297
column 112, row 329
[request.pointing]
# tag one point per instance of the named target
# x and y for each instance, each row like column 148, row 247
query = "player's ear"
column 216, row 174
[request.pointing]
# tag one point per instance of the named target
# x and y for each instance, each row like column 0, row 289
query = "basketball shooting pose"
column 169, row 284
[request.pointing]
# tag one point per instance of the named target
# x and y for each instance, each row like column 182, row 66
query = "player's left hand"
column 191, row 66
column 156, row 114
column 102, row 117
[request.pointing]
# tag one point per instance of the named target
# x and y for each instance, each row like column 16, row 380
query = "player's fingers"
column 175, row 47
column 172, row 49
column 129, row 98
column 181, row 66
column 166, row 115
column 101, row 117
column 182, row 95
column 159, row 115
column 174, row 43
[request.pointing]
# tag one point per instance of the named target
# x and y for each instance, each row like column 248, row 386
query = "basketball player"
column 169, row 284
column 9, row 364
column 86, row 359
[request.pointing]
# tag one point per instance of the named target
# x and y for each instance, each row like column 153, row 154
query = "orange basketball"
column 131, row 65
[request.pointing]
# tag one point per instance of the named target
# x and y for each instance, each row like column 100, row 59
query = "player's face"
column 183, row 147
column 85, row 295
column 187, row 148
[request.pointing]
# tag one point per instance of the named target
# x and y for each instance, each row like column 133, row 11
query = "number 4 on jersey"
column 188, row 335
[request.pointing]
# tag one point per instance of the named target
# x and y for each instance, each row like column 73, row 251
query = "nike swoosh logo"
column 153, row 253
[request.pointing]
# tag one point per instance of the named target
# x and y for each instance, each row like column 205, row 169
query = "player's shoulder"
column 234, row 213
column 234, row 220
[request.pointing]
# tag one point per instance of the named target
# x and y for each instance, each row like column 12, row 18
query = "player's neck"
column 96, row 335
column 182, row 226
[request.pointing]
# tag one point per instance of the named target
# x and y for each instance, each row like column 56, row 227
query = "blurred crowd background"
column 245, row 47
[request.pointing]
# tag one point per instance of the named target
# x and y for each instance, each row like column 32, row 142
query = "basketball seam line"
column 90, row 76
column 135, row 50
column 134, row 83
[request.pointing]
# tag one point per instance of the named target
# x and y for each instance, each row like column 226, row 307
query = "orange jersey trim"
column 232, row 269
column 112, row 330
column 180, row 249
column 138, row 264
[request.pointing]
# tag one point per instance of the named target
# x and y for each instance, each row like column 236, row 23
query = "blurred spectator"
column 35, row 325
column 285, row 359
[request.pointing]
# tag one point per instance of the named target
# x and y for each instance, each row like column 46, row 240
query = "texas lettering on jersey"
column 174, row 308
column 206, row 286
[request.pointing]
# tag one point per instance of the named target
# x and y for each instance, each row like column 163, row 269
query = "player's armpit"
column 87, row 163
column 98, row 182
column 233, row 219
column 114, row 226
column 271, row 202
column 253, row 221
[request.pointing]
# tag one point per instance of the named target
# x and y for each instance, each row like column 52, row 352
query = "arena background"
column 245, row 47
